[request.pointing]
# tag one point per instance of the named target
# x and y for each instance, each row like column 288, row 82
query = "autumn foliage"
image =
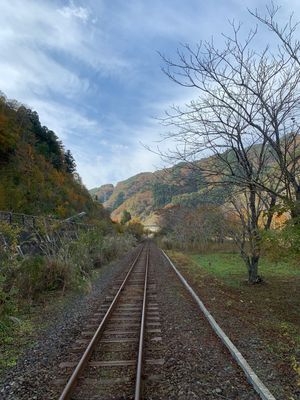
column 37, row 175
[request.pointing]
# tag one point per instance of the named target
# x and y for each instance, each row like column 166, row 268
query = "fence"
column 32, row 221
column 30, row 239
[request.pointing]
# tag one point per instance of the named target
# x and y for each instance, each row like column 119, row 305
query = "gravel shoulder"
column 249, row 316
column 197, row 366
column 37, row 369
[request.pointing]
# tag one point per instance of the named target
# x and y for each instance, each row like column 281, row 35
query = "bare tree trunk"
column 254, row 238
column 253, row 276
column 270, row 212
column 249, row 239
column 296, row 209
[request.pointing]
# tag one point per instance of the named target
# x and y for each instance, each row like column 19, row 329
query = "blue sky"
column 92, row 72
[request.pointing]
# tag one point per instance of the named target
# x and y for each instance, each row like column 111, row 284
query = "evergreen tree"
column 126, row 216
column 69, row 162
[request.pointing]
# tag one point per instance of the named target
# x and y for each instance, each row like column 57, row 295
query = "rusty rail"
column 139, row 369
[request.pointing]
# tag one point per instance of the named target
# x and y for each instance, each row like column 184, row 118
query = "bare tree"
column 193, row 228
column 286, row 147
column 245, row 116
column 253, row 94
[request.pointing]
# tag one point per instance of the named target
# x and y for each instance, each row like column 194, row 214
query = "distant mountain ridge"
column 144, row 193
column 103, row 193
column 147, row 192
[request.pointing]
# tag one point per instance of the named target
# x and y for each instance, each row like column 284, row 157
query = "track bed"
column 175, row 355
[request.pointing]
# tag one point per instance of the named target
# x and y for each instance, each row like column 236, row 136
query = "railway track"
column 121, row 341
column 119, row 354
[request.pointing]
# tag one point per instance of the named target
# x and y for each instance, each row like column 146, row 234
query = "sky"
column 92, row 70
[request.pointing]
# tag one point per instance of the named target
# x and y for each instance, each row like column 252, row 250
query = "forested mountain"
column 37, row 175
column 181, row 185
column 147, row 192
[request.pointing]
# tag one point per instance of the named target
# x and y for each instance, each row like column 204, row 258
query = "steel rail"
column 65, row 395
column 139, row 370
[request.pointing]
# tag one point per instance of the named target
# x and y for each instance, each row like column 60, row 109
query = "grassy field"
column 230, row 268
column 263, row 320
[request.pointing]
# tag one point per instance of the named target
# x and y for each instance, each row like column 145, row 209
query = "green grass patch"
column 14, row 334
column 231, row 269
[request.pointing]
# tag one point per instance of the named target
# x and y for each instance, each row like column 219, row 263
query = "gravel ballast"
column 197, row 366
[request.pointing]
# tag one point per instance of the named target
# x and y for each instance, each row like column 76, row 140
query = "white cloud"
column 73, row 11
column 27, row 68
column 66, row 121
column 121, row 165
column 35, row 35
column 118, row 161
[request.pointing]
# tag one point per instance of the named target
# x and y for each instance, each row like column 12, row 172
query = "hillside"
column 103, row 193
column 37, row 175
column 146, row 192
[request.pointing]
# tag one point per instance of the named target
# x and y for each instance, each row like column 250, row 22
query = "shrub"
column 29, row 276
column 136, row 229
column 285, row 243
column 64, row 264
column 165, row 242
